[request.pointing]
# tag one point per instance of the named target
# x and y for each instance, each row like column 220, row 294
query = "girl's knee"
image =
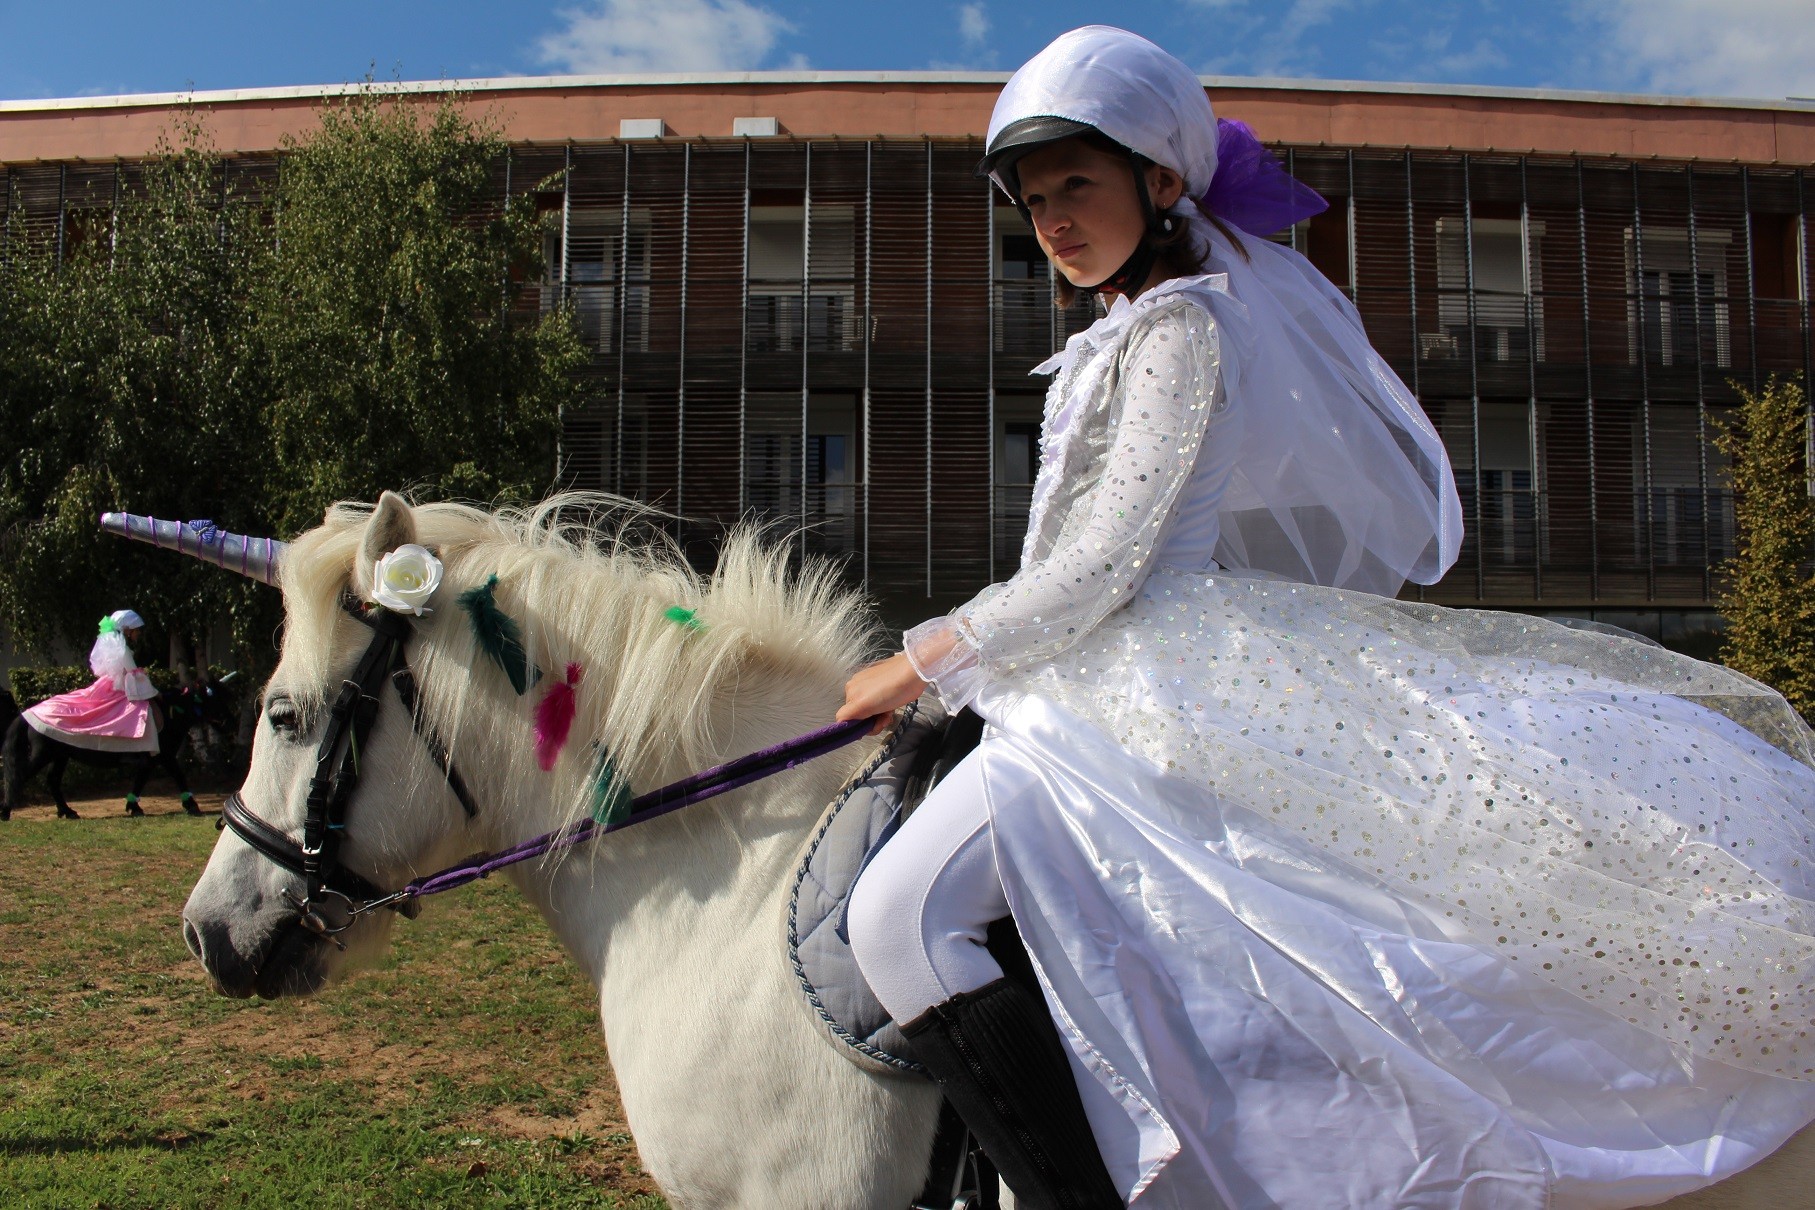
column 883, row 915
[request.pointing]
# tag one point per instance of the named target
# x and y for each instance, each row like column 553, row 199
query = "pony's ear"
column 392, row 525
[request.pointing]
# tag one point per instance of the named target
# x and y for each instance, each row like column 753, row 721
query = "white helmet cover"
column 1127, row 88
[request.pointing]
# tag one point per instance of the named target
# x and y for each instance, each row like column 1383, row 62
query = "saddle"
column 869, row 810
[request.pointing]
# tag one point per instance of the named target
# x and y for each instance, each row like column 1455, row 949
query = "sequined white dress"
column 1345, row 901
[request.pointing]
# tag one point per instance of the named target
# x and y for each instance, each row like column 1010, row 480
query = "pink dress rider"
column 114, row 714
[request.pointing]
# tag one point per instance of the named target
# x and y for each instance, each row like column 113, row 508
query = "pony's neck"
column 727, row 858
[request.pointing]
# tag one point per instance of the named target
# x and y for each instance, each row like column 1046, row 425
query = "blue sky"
column 1758, row 48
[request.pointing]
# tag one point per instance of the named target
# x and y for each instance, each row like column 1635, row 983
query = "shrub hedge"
column 33, row 685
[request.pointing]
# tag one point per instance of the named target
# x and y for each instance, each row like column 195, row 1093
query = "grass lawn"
column 468, row 1070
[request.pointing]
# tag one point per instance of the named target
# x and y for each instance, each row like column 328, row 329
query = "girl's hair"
column 1174, row 247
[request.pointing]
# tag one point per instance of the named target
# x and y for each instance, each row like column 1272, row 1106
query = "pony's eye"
column 284, row 716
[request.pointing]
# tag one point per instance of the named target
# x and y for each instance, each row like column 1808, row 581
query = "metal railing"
column 825, row 513
column 1008, row 524
column 781, row 317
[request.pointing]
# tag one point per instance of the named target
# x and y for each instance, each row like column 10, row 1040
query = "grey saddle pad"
column 857, row 823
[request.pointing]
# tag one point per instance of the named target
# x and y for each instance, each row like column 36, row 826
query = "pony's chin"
column 295, row 964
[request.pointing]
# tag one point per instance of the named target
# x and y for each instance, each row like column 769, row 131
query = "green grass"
column 467, row 1070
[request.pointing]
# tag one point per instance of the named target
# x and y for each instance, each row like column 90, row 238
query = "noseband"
column 334, row 896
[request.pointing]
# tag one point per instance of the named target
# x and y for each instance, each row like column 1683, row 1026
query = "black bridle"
column 333, row 895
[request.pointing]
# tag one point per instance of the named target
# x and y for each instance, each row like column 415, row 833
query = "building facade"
column 802, row 304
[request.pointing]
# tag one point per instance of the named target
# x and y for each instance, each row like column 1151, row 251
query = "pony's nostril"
column 192, row 938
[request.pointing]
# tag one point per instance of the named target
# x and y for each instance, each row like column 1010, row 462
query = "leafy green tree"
column 1769, row 602
column 129, row 379
column 253, row 354
column 385, row 317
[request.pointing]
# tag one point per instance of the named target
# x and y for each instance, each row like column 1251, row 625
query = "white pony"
column 734, row 1095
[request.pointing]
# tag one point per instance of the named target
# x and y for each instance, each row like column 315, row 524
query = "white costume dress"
column 1345, row 901
column 1340, row 900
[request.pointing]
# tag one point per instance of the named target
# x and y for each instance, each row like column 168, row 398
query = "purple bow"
column 1252, row 189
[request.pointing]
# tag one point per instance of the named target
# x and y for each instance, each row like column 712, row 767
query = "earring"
column 1166, row 225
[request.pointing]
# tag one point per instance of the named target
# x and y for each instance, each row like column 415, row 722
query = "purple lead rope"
column 684, row 793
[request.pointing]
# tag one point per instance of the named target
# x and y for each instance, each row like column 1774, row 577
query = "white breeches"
column 920, row 913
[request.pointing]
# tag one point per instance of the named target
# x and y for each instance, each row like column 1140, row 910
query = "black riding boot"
column 998, row 1058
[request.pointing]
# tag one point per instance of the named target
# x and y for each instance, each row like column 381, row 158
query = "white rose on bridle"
column 406, row 578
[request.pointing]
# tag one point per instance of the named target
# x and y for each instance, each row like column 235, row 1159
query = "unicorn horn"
column 256, row 558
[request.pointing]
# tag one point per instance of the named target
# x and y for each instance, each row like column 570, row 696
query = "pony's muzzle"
column 233, row 975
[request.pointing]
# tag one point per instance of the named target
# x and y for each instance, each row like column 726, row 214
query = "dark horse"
column 27, row 751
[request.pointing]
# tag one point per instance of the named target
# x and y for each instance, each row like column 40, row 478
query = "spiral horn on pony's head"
column 256, row 558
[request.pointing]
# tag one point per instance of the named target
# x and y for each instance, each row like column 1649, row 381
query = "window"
column 1324, row 238
column 1679, row 313
column 1509, row 501
column 1024, row 310
column 1017, row 462
column 782, row 260
column 1683, row 518
column 817, row 490
column 589, row 276
column 1508, row 286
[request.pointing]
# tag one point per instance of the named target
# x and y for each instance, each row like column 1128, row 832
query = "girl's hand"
column 881, row 689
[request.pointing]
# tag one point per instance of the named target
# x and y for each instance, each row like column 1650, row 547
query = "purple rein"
column 683, row 793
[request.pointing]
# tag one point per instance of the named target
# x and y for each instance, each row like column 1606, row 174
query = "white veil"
column 111, row 656
column 1342, row 480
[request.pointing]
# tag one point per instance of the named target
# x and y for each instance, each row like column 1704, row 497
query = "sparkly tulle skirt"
column 1344, row 901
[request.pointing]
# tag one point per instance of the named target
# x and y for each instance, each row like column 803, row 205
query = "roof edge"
column 785, row 78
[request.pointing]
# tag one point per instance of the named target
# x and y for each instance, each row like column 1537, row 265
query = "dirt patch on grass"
column 110, row 802
column 475, row 1024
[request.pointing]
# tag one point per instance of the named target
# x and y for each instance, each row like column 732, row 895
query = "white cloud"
column 1746, row 48
column 1434, row 54
column 661, row 35
column 974, row 51
column 1266, row 38
column 973, row 24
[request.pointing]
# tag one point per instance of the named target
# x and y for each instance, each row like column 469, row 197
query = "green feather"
column 499, row 636
column 683, row 618
column 610, row 792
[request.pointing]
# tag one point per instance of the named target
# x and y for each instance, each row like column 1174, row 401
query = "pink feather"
column 554, row 718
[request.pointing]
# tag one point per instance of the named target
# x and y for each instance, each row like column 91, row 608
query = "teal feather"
column 499, row 636
column 610, row 792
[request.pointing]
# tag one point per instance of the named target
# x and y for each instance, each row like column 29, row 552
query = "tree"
column 253, row 354
column 1769, row 602
column 128, row 379
column 385, row 317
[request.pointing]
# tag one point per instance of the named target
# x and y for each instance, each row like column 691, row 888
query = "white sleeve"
column 138, row 686
column 1168, row 392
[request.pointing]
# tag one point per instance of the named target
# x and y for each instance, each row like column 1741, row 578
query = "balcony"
column 1025, row 319
column 1504, row 329
column 597, row 313
column 780, row 319
column 1008, row 525
column 1521, row 530
column 828, row 520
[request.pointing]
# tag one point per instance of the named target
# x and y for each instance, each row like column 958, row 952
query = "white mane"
column 590, row 581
